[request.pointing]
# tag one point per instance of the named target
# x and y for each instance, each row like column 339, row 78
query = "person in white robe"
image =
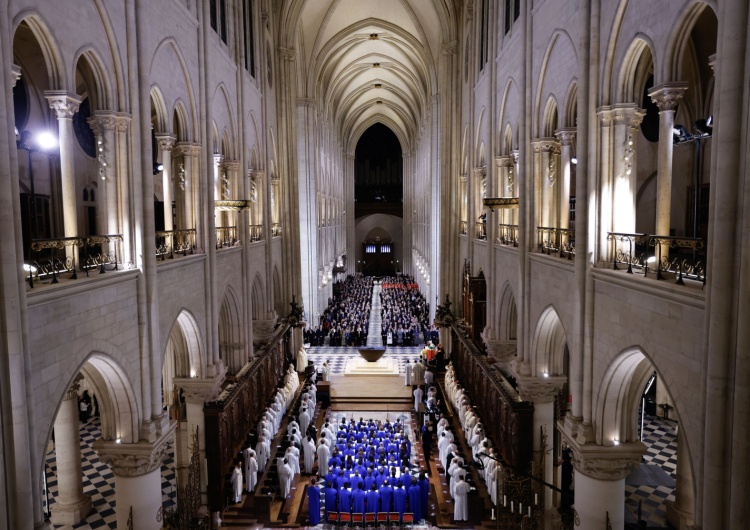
column 292, row 425
column 326, row 371
column 295, row 437
column 237, row 483
column 443, row 442
column 417, row 373
column 304, row 420
column 308, row 451
column 458, row 475
column 449, row 450
column 285, row 478
column 301, row 360
column 460, row 501
column 323, row 455
column 407, row 373
column 263, row 451
column 251, row 470
column 292, row 459
column 418, row 393
column 428, row 378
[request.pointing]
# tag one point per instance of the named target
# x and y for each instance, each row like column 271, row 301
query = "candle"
column 536, row 500
column 520, row 508
column 529, row 512
column 511, row 506
column 493, row 514
column 505, row 501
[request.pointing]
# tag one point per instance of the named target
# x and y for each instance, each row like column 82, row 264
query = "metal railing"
column 561, row 241
column 276, row 230
column 507, row 235
column 226, row 236
column 681, row 257
column 171, row 242
column 55, row 256
column 463, row 228
column 256, row 233
column 481, row 230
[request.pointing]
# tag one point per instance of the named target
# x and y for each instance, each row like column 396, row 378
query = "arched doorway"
column 231, row 341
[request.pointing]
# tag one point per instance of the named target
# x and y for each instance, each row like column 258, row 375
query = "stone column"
column 542, row 392
column 666, row 97
column 190, row 160
column 137, row 469
column 566, row 136
column 232, row 170
column 103, row 125
column 506, row 185
column 606, row 198
column 681, row 512
column 65, row 105
column 122, row 186
column 166, row 144
column 626, row 118
column 72, row 505
column 545, row 179
column 197, row 392
column 463, row 185
column 600, row 473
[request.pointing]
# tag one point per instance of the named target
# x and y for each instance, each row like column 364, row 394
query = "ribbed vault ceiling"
column 369, row 61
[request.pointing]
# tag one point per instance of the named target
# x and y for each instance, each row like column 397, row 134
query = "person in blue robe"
column 345, row 498
column 399, row 500
column 313, row 502
column 415, row 500
column 331, row 503
column 386, row 496
column 373, row 499
column 358, row 499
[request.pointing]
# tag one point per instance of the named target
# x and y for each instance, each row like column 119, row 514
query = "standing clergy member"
column 251, row 469
column 308, row 450
column 461, row 505
column 313, row 502
column 285, row 477
column 323, row 455
column 237, row 482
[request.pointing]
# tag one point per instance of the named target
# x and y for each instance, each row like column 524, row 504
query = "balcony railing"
column 256, row 232
column 52, row 257
column 276, row 230
column 507, row 235
column 171, row 242
column 560, row 241
column 463, row 228
column 481, row 230
column 226, row 236
column 648, row 253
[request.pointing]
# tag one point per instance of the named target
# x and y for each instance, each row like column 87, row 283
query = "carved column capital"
column 132, row 460
column 605, row 115
column 480, row 172
column 540, row 389
column 666, row 96
column 608, row 463
column 256, row 174
column 188, row 149
column 627, row 114
column 122, row 121
column 102, row 121
column 72, row 392
column 449, row 48
column 198, row 390
column 287, row 54
column 546, row 145
column 15, row 72
column 462, row 179
column 232, row 165
column 566, row 135
column 504, row 161
column 166, row 141
column 502, row 350
column 64, row 104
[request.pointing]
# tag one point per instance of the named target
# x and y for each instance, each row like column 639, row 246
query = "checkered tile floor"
column 660, row 438
column 99, row 481
column 338, row 355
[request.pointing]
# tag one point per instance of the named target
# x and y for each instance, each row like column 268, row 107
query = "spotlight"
column 704, row 126
column 46, row 141
column 574, row 160
column 158, row 168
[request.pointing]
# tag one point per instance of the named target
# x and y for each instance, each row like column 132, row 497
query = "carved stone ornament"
column 540, row 389
column 599, row 462
column 166, row 141
column 504, row 161
column 628, row 115
column 103, row 121
column 64, row 104
column 15, row 72
column 566, row 135
column 232, row 165
column 287, row 54
column 480, row 172
column 188, row 149
column 449, row 48
column 198, row 390
column 605, row 115
column 668, row 95
column 72, row 392
column 122, row 121
column 502, row 350
column 133, row 460
column 548, row 145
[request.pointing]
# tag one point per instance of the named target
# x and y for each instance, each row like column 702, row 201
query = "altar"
column 359, row 366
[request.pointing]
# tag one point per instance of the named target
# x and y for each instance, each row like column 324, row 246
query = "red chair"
column 344, row 519
column 394, row 518
column 370, row 519
column 333, row 518
column 383, row 519
column 408, row 519
column 358, row 519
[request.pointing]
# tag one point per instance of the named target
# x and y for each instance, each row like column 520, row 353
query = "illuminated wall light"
column 192, row 373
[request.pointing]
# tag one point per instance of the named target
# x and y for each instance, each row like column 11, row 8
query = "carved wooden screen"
column 236, row 412
column 507, row 420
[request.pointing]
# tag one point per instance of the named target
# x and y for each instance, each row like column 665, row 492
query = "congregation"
column 345, row 321
column 404, row 313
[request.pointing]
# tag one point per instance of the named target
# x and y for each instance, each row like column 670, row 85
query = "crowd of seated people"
column 346, row 319
column 368, row 471
column 404, row 312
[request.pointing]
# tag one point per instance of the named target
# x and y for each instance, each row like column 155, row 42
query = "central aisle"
column 338, row 355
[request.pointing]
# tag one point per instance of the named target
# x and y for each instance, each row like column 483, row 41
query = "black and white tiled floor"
column 660, row 437
column 99, row 481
